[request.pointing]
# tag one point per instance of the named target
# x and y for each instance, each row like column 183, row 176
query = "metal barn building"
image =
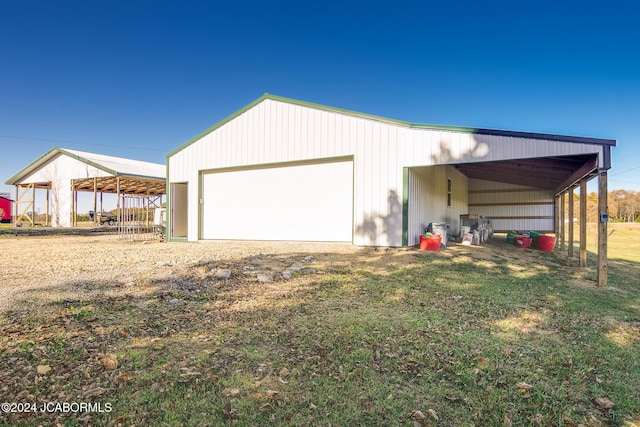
column 282, row 169
column 62, row 173
column 6, row 208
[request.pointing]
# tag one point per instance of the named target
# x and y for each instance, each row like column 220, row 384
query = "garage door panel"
column 301, row 202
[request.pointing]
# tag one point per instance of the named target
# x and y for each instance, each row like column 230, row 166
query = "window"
column 448, row 192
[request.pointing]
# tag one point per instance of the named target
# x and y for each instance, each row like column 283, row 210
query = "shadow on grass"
column 470, row 335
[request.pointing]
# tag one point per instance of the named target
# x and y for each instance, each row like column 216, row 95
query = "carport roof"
column 552, row 173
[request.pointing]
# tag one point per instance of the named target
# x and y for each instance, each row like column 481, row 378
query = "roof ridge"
column 462, row 129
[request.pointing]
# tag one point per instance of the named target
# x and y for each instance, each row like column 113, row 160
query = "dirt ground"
column 36, row 270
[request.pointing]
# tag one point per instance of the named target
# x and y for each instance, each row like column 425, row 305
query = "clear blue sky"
column 139, row 78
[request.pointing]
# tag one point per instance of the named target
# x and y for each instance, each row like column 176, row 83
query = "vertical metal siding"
column 428, row 199
column 60, row 171
column 275, row 131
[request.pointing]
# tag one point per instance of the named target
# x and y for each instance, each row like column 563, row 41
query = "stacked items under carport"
column 532, row 239
column 475, row 229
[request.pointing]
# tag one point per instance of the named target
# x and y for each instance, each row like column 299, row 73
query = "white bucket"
column 467, row 239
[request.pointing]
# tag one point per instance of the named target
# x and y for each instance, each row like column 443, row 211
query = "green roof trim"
column 217, row 125
column 78, row 155
column 30, row 167
column 49, row 155
column 462, row 129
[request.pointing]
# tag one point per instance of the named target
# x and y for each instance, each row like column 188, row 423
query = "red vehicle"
column 6, row 208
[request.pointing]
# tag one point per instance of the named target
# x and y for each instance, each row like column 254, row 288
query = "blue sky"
column 139, row 78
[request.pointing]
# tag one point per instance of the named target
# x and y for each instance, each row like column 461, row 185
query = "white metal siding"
column 275, row 131
column 310, row 202
column 59, row 172
column 428, row 199
column 512, row 207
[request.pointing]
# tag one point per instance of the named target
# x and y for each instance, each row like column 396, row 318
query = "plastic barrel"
column 523, row 242
column 546, row 243
column 433, row 242
column 424, row 242
column 534, row 238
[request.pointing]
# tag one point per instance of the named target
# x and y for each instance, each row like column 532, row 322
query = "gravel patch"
column 35, row 270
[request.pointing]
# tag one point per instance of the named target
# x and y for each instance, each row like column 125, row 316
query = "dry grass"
column 486, row 335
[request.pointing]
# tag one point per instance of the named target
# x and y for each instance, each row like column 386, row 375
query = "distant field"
column 623, row 240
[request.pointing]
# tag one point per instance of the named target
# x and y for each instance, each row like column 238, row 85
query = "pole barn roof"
column 138, row 176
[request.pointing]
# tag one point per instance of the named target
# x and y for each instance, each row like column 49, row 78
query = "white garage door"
column 310, row 202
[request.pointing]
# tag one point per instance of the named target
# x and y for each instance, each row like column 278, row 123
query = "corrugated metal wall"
column 512, row 207
column 275, row 131
column 59, row 172
column 428, row 190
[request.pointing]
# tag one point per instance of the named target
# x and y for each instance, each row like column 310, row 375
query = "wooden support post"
column 570, row 225
column 95, row 201
column 556, row 215
column 147, row 200
column 22, row 211
column 75, row 207
column 583, row 222
column 603, row 217
column 14, row 218
column 562, row 223
column 71, row 213
column 118, row 201
column 33, row 204
column 47, row 220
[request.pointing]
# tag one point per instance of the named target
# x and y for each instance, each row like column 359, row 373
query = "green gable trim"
column 288, row 101
column 32, row 166
column 405, row 207
column 218, row 125
column 461, row 129
column 339, row 110
column 50, row 155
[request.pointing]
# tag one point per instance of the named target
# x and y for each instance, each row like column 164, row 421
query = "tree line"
column 624, row 206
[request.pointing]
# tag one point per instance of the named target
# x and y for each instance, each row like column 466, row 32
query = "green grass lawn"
column 469, row 336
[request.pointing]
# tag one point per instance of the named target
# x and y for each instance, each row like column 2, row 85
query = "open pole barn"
column 283, row 169
column 63, row 173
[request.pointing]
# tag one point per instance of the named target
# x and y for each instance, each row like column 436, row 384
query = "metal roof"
column 126, row 175
column 462, row 129
column 116, row 166
column 552, row 173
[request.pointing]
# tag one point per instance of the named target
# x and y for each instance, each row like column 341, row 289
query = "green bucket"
column 534, row 238
column 511, row 238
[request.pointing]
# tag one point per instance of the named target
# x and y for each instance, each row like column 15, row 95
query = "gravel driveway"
column 36, row 270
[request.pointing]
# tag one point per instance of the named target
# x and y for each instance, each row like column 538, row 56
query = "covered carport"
column 552, row 182
column 398, row 176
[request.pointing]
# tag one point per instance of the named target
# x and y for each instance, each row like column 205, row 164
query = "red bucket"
column 546, row 243
column 430, row 243
column 424, row 241
column 523, row 242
